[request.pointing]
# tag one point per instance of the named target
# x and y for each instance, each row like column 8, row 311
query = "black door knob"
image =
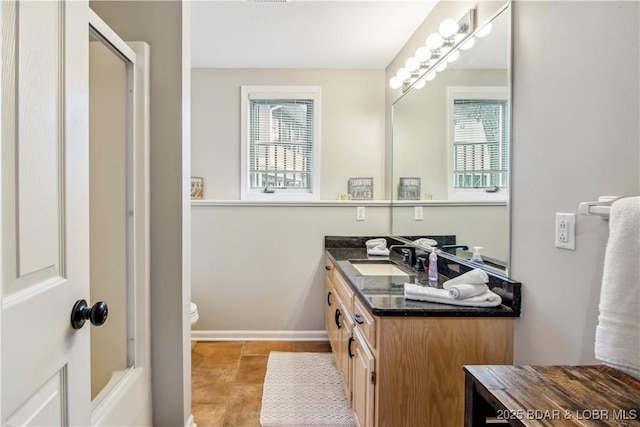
column 97, row 314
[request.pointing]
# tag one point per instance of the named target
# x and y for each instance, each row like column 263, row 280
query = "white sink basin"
column 372, row 269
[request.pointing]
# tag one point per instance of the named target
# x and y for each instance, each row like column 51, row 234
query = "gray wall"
column 256, row 268
column 576, row 137
column 160, row 23
column 352, row 129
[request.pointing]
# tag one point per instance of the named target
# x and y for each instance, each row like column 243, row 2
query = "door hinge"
column 351, row 397
column 373, row 377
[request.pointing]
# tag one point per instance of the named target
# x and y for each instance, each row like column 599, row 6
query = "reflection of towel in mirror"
column 464, row 290
column 617, row 341
column 377, row 247
column 427, row 294
column 477, row 276
column 423, row 241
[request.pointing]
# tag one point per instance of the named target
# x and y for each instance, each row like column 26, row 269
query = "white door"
column 45, row 215
column 45, row 212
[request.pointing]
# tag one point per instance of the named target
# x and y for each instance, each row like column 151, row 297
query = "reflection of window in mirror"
column 478, row 143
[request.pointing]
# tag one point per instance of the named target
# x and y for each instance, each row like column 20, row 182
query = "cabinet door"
column 346, row 349
column 363, row 385
column 330, row 308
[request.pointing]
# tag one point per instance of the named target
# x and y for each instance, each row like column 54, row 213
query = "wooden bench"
column 550, row 396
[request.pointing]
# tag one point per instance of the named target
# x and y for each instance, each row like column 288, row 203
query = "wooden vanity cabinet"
column 407, row 371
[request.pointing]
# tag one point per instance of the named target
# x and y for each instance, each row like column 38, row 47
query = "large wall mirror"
column 451, row 149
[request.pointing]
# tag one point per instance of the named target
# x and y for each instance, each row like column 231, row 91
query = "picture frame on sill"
column 360, row 188
column 197, row 188
column 409, row 188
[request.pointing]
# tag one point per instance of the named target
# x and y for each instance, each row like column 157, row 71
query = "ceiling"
column 359, row 34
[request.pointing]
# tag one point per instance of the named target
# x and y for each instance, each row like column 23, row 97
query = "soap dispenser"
column 476, row 255
column 433, row 269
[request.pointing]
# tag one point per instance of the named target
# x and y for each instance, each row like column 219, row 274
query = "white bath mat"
column 303, row 389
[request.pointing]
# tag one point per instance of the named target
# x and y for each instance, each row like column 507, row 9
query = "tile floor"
column 227, row 378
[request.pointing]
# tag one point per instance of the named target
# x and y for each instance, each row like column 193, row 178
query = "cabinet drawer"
column 343, row 289
column 364, row 322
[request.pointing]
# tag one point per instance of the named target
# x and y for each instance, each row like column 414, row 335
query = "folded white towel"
column 464, row 291
column 377, row 247
column 372, row 243
column 378, row 252
column 422, row 293
column 477, row 276
column 617, row 341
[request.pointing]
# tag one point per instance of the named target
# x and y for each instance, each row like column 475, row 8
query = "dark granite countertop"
column 385, row 294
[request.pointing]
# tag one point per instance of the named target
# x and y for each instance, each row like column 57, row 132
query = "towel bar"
column 601, row 208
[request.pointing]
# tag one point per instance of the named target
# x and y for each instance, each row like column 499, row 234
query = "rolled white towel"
column 422, row 293
column 477, row 276
column 465, row 290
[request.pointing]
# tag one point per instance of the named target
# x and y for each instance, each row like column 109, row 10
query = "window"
column 280, row 142
column 479, row 143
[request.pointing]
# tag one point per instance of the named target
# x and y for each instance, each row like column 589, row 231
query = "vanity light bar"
column 432, row 57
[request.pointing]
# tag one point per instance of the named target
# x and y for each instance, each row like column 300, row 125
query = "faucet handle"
column 406, row 256
column 421, row 265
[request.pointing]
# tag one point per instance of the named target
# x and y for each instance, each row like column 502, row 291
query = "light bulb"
column 454, row 56
column 403, row 73
column 484, row 31
column 434, row 41
column 441, row 67
column 395, row 82
column 468, row 44
column 420, row 84
column 412, row 64
column 423, row 54
column 448, row 28
column 430, row 76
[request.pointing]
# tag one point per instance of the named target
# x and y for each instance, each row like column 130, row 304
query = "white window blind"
column 280, row 151
column 281, row 141
column 480, row 143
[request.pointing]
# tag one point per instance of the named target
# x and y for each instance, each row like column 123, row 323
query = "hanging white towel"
column 617, row 341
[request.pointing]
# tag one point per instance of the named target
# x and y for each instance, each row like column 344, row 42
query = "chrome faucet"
column 406, row 250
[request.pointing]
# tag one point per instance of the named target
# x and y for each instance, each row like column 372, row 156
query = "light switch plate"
column 360, row 213
column 418, row 213
column 566, row 231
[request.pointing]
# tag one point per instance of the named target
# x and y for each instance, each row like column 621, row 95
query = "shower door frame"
column 126, row 399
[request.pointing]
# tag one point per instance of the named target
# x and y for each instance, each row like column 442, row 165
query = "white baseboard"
column 259, row 336
column 191, row 422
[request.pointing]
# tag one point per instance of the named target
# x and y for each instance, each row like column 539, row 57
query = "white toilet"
column 194, row 313
column 194, row 319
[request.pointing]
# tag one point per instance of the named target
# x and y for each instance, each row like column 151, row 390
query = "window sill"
column 311, row 203
column 449, row 203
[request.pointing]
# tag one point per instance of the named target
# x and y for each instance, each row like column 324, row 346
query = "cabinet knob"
column 357, row 319
column 326, row 267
